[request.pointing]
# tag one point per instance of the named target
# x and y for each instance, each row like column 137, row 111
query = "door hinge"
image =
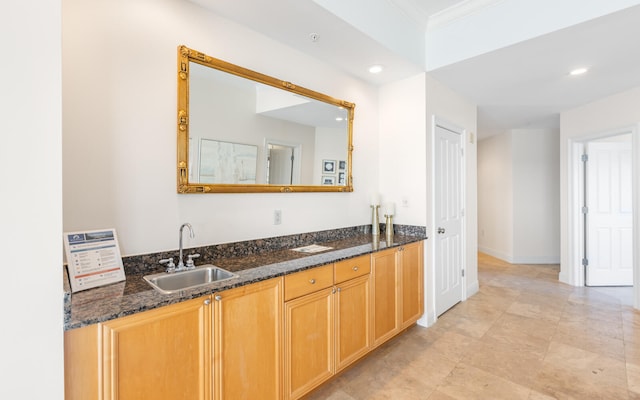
column 584, row 158
column 585, row 210
column 462, row 152
column 585, row 262
column 463, row 273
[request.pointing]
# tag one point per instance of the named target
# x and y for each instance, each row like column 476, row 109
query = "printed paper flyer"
column 93, row 259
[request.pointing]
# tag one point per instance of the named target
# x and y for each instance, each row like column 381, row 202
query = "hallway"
column 524, row 335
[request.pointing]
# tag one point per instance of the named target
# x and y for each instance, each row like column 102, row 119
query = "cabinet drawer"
column 352, row 268
column 304, row 282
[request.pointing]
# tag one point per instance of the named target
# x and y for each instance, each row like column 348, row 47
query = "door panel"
column 448, row 218
column 609, row 217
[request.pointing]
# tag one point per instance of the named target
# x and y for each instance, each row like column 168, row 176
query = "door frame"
column 574, row 275
column 297, row 158
column 430, row 256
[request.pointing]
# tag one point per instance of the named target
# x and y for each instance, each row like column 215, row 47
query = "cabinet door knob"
column 218, row 297
column 355, row 268
column 207, row 302
column 312, row 281
column 339, row 290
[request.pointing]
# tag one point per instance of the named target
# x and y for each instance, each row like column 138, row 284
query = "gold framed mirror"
column 240, row 131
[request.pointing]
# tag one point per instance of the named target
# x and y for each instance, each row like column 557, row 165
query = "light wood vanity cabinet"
column 274, row 339
column 226, row 346
column 385, row 292
column 352, row 310
column 309, row 339
column 352, row 316
column 412, row 285
column 159, row 354
column 247, row 337
column 326, row 326
column 398, row 298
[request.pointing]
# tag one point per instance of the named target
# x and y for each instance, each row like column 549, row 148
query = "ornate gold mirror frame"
column 186, row 56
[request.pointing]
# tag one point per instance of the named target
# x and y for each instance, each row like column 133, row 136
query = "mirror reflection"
column 241, row 131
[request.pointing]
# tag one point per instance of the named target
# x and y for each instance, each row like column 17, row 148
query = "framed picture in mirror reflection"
column 328, row 180
column 328, row 166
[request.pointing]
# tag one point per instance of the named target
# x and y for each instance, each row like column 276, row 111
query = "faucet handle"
column 190, row 263
column 171, row 267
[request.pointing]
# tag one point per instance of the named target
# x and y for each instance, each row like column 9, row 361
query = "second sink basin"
column 203, row 275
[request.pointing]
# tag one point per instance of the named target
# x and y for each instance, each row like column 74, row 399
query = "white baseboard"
column 427, row 319
column 495, row 253
column 472, row 288
column 565, row 278
column 519, row 260
column 536, row 260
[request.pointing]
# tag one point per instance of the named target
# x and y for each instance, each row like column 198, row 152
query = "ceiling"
column 524, row 85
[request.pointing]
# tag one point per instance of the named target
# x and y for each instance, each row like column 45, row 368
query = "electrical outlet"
column 277, row 217
column 404, row 201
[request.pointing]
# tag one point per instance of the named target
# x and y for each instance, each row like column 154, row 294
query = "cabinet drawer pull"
column 312, row 281
column 355, row 268
column 218, row 297
column 207, row 302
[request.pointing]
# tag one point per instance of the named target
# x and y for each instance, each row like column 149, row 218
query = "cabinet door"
column 385, row 292
column 309, row 342
column 159, row 354
column 247, row 341
column 352, row 310
column 411, row 261
column 81, row 368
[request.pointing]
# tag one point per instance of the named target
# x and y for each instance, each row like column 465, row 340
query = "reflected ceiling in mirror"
column 243, row 131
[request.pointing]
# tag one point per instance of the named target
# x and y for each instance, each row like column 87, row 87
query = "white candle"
column 390, row 209
column 375, row 199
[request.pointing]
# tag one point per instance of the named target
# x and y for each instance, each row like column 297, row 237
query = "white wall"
column 495, row 196
column 519, row 209
column 119, row 120
column 536, row 194
column 612, row 114
column 403, row 146
column 31, row 361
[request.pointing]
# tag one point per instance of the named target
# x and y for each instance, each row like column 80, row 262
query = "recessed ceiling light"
column 578, row 71
column 375, row 69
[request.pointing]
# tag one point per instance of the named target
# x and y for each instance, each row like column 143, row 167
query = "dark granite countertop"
column 135, row 295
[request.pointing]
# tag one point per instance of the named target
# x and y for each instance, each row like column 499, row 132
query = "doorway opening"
column 593, row 243
column 282, row 162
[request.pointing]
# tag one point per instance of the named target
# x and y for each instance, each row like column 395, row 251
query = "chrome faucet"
column 181, row 265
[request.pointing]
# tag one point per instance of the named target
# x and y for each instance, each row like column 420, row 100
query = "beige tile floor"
column 524, row 335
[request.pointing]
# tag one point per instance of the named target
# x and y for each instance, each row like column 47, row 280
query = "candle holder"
column 375, row 242
column 375, row 220
column 389, row 229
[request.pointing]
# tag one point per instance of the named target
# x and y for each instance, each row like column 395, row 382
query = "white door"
column 280, row 167
column 448, row 218
column 609, row 214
